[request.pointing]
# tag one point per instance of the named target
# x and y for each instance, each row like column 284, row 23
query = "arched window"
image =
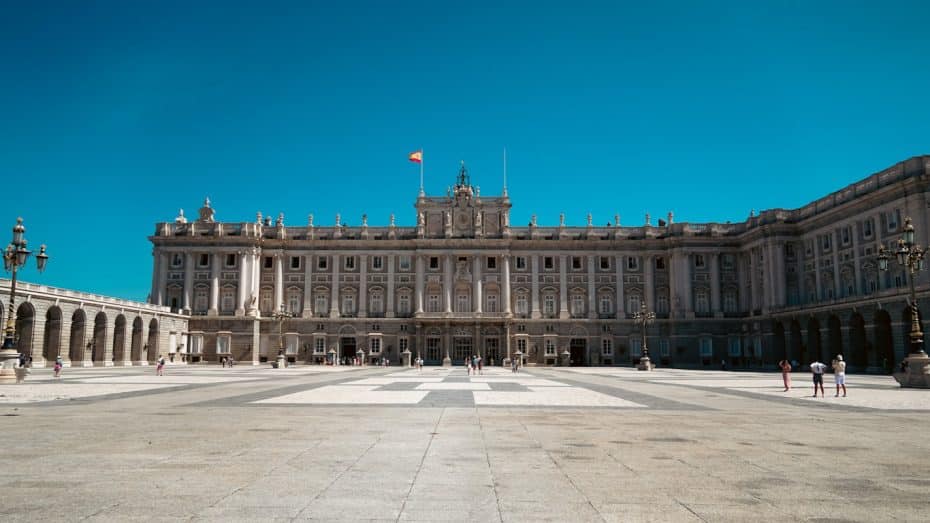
column 521, row 304
column 348, row 304
column 228, row 300
column 549, row 304
column 321, row 304
column 294, row 298
column 730, row 304
column 577, row 305
column 606, row 304
column 403, row 303
column 633, row 302
column 201, row 302
column 701, row 302
column 662, row 303
column 377, row 302
column 491, row 305
column 267, row 301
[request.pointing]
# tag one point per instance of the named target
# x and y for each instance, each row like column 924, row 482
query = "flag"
column 416, row 156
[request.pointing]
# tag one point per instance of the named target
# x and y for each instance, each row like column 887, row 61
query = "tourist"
column 513, row 365
column 58, row 365
column 723, row 364
column 479, row 364
column 160, row 366
column 817, row 369
column 785, row 367
column 839, row 374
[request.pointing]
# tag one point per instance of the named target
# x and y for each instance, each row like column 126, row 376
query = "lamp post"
column 279, row 316
column 916, row 368
column 14, row 257
column 643, row 318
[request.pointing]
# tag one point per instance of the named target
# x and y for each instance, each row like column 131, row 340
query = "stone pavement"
column 361, row 444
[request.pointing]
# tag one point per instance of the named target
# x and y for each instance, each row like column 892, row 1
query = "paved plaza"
column 387, row 444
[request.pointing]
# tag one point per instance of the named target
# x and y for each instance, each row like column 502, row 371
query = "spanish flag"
column 416, row 156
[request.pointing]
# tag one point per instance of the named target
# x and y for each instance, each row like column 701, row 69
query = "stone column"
column 307, row 311
column 505, row 288
column 715, row 284
column 619, row 275
column 817, row 283
column 216, row 259
column 420, row 276
column 685, row 266
column 563, row 287
column 278, row 281
column 447, row 343
column 592, row 289
column 162, row 278
column 649, row 283
column 802, row 291
column 243, row 283
column 837, row 284
column 188, row 280
column 534, row 296
column 781, row 281
column 390, row 288
column 755, row 302
column 447, row 283
column 255, row 284
column 477, row 285
column 334, row 289
column 856, row 270
column 363, row 286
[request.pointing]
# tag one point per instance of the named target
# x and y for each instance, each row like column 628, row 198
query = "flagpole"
column 505, row 172
column 422, row 193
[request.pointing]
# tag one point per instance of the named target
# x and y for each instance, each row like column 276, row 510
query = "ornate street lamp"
column 911, row 257
column 643, row 318
column 14, row 257
column 279, row 316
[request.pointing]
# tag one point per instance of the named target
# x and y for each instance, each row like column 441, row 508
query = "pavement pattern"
column 311, row 443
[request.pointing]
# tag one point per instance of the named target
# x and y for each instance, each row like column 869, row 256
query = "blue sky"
column 115, row 114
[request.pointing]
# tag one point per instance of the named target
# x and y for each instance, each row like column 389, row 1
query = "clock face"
column 462, row 220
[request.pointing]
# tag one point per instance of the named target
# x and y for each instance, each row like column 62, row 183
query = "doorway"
column 347, row 349
column 577, row 347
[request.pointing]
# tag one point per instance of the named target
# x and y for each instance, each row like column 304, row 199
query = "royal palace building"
column 800, row 283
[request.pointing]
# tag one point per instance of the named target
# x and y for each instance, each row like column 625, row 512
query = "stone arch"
column 152, row 350
column 779, row 343
column 797, row 349
column 51, row 342
column 78, row 331
column 119, row 340
column 834, row 338
column 906, row 329
column 883, row 342
column 25, row 328
column 136, row 343
column 99, row 342
column 857, row 341
column 813, row 339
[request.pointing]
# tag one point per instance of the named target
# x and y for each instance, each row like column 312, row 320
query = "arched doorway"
column 348, row 344
column 857, row 342
column 152, row 345
column 906, row 329
column 779, row 344
column 797, row 344
column 834, row 339
column 25, row 326
column 98, row 345
column 136, row 350
column 76, row 342
column 51, row 342
column 119, row 340
column 813, row 340
column 884, row 343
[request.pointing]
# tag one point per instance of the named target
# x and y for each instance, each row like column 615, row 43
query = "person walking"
column 513, row 365
column 817, row 369
column 839, row 374
column 785, row 367
column 58, row 365
column 479, row 364
column 160, row 366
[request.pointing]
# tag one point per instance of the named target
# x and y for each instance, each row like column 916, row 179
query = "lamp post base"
column 917, row 373
column 282, row 361
column 645, row 364
column 8, row 360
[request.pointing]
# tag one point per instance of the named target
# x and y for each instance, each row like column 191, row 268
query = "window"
column 633, row 263
column 892, row 220
column 706, row 347
column 295, row 262
column 230, row 260
column 661, row 304
column 223, row 344
column 549, row 304
column 403, row 303
column 434, row 262
column 844, row 235
column 550, row 347
column 521, row 345
column 377, row 263
column 377, row 303
column 177, row 260
column 734, row 348
column 825, row 242
column 293, row 300
column 290, row 344
column 606, row 304
column 726, row 261
column 375, row 345
column 576, row 263
column 521, row 304
column 663, row 348
column 321, row 263
column 789, row 250
column 607, row 347
column 548, row 263
column 660, row 263
column 195, row 342
column 633, row 303
column 350, row 263
column 203, row 260
column 867, row 228
column 604, row 262
column 492, row 303
column 319, row 345
column 228, row 300
column 404, row 263
column 348, row 305
column 403, row 344
column 636, row 346
column 321, row 304
column 267, row 303
column 432, row 303
column 699, row 261
column 492, row 262
column 461, row 303
column 701, row 302
column 200, row 299
column 577, row 305
column 729, row 302
column 269, row 262
column 521, row 263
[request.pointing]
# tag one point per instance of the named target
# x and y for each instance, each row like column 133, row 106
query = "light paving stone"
column 348, row 394
column 454, row 386
column 552, row 397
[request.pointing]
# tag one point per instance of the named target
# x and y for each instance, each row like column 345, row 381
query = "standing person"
column 513, row 365
column 479, row 364
column 58, row 365
column 785, row 367
column 839, row 374
column 160, row 366
column 817, row 369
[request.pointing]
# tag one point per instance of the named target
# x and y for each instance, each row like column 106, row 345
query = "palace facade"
column 800, row 283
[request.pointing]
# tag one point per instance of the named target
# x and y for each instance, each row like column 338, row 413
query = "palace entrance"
column 347, row 348
column 577, row 348
column 492, row 351
column 462, row 347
